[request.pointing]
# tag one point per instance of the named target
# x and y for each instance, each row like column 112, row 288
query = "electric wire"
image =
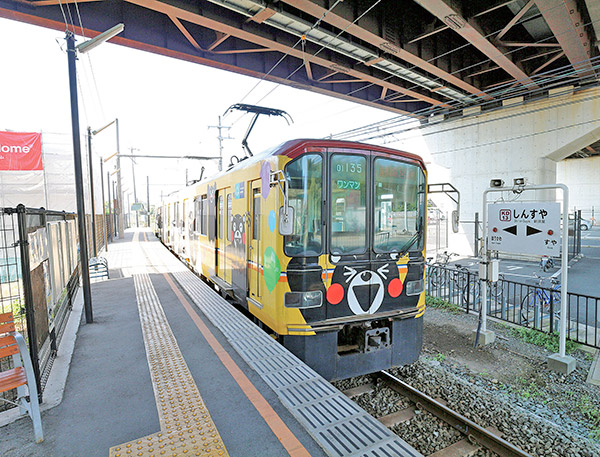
column 430, row 110
column 288, row 52
column 544, row 77
column 403, row 120
column 476, row 122
column 438, row 79
column 322, row 47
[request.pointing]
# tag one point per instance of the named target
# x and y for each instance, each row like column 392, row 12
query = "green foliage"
column 440, row 357
column 591, row 412
column 18, row 308
column 439, row 303
column 545, row 340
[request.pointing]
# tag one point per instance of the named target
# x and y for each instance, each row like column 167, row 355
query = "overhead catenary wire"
column 399, row 121
column 433, row 110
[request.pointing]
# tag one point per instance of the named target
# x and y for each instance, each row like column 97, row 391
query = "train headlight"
column 415, row 287
column 301, row 300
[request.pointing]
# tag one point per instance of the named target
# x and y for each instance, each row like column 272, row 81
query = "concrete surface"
column 564, row 365
column 109, row 399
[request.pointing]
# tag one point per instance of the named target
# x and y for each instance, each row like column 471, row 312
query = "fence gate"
column 39, row 274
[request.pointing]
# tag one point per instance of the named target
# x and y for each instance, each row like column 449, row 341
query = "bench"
column 12, row 344
column 98, row 267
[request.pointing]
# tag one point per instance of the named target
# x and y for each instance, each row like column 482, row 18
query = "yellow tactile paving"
column 186, row 426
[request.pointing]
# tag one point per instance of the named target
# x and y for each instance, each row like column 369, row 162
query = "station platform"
column 170, row 368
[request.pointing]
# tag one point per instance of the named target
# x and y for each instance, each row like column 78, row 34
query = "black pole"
column 28, row 293
column 94, row 245
column 83, row 254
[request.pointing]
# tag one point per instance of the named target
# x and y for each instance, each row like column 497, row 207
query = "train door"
column 220, row 244
column 188, row 218
column 254, row 250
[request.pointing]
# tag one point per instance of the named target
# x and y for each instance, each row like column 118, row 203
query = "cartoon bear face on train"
column 238, row 230
column 365, row 288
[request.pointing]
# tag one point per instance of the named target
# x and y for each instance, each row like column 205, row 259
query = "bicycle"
column 437, row 275
column 472, row 291
column 546, row 263
column 541, row 302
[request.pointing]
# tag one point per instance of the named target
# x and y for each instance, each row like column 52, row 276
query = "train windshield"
column 305, row 178
column 348, row 204
column 363, row 190
column 398, row 205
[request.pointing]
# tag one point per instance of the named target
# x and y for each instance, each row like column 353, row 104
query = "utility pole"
column 133, row 164
column 116, row 209
column 221, row 127
column 119, row 194
column 103, row 206
column 148, row 198
column 110, row 218
column 93, row 203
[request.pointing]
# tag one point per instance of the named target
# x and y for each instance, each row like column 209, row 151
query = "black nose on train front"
column 366, row 275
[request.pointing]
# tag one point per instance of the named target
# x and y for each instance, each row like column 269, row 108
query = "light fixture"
column 97, row 41
column 496, row 183
column 519, row 181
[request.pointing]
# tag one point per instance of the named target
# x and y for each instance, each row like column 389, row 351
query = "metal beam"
column 565, row 21
column 317, row 9
column 471, row 32
column 515, row 19
column 44, row 17
column 194, row 15
column 593, row 8
column 547, row 62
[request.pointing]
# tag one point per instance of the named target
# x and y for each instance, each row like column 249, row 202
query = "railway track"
column 475, row 437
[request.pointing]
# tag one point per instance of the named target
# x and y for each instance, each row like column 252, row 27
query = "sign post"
column 532, row 228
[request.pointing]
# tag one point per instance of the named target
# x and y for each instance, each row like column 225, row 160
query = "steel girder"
column 565, row 21
column 207, row 34
column 472, row 32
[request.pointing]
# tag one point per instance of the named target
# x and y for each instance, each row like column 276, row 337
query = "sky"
column 164, row 105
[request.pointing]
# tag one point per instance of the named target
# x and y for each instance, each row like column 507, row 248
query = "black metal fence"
column 39, row 275
column 535, row 305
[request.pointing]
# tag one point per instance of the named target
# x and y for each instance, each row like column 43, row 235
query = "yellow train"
column 322, row 241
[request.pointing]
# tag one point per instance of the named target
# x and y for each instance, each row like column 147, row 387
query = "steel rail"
column 477, row 433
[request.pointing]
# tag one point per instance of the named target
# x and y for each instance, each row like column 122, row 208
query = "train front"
column 356, row 257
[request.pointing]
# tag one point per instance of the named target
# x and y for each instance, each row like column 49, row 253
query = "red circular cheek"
column 335, row 293
column 243, row 238
column 232, row 234
column 395, row 287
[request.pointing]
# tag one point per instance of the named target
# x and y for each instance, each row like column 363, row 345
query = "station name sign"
column 20, row 151
column 525, row 227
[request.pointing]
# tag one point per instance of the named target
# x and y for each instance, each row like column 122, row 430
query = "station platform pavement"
column 153, row 376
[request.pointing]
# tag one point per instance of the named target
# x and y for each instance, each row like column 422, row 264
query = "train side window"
column 197, row 208
column 229, row 216
column 203, row 215
column 256, row 225
column 220, row 217
column 306, row 197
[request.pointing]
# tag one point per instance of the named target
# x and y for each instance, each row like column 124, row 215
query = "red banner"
column 20, row 151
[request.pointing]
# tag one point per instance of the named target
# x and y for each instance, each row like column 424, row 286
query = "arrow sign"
column 512, row 229
column 532, row 230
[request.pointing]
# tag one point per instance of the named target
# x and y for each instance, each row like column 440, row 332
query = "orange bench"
column 12, row 344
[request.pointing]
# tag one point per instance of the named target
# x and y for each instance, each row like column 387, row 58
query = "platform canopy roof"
column 406, row 56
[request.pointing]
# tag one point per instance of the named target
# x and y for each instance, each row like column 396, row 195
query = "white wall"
column 525, row 140
column 583, row 178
